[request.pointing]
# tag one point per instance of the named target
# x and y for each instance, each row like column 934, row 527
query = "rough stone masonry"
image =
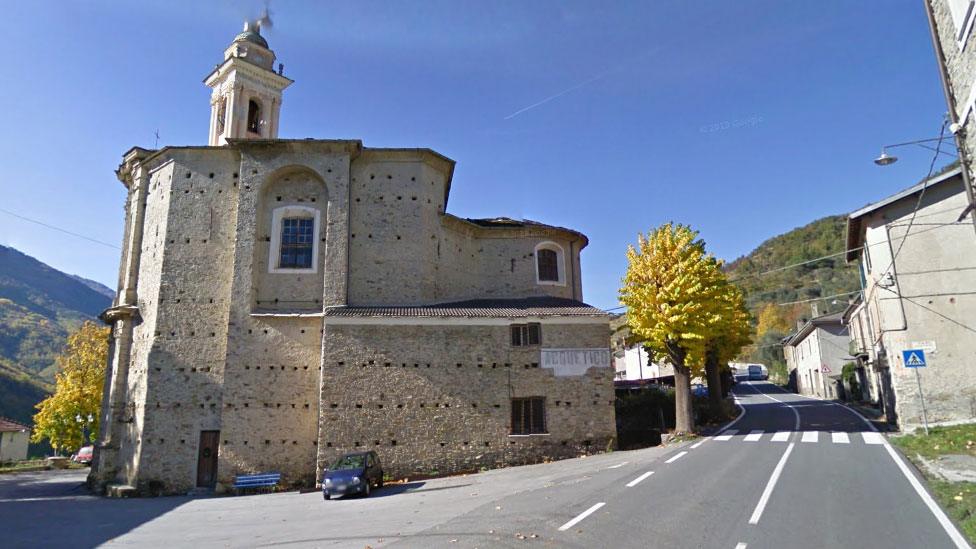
column 282, row 302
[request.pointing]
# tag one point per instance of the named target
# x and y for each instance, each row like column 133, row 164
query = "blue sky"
column 743, row 119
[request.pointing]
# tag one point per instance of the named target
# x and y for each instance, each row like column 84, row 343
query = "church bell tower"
column 246, row 98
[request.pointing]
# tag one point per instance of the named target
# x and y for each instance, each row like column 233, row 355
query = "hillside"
column 817, row 279
column 821, row 278
column 39, row 305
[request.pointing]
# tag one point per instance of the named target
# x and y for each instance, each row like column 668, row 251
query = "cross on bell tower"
column 246, row 98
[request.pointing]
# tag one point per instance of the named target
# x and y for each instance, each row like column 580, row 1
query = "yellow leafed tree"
column 70, row 416
column 671, row 295
column 774, row 318
column 731, row 332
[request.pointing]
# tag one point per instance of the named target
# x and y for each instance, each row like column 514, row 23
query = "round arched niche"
column 289, row 244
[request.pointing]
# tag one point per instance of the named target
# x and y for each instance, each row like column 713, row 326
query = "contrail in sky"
column 586, row 82
column 560, row 94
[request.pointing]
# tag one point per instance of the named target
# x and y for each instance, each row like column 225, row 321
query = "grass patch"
column 959, row 501
column 958, row 439
column 957, row 498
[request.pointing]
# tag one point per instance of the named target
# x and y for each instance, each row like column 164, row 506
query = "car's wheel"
column 325, row 495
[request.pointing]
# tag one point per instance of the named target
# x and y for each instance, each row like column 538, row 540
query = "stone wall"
column 436, row 398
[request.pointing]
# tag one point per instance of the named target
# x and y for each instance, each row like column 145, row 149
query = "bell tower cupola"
column 246, row 99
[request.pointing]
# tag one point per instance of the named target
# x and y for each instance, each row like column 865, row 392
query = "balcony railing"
column 855, row 348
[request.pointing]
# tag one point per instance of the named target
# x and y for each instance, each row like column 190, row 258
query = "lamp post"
column 886, row 159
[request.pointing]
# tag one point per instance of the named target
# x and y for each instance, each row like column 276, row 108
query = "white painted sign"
column 574, row 362
column 927, row 346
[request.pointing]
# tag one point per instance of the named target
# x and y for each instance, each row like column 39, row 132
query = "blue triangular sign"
column 914, row 360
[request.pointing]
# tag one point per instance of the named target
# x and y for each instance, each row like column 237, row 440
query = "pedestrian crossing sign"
column 913, row 358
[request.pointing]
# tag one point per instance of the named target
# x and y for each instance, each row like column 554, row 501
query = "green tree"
column 672, row 303
column 69, row 417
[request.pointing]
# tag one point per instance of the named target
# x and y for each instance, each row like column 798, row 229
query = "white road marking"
column 810, row 436
column 740, row 545
column 699, row 443
column 676, row 457
column 637, row 480
column 764, row 499
column 872, row 438
column 754, row 436
column 929, row 502
column 619, row 465
column 781, row 436
column 947, row 525
column 840, row 438
column 726, row 435
column 581, row 516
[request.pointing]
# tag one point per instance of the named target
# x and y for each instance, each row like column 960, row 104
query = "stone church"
column 283, row 301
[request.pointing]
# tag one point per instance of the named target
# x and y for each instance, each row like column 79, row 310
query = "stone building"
column 282, row 301
column 815, row 355
column 918, row 293
column 951, row 24
column 14, row 440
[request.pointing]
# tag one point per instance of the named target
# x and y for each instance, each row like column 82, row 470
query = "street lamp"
column 886, row 159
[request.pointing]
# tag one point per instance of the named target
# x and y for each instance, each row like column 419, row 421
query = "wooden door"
column 207, row 462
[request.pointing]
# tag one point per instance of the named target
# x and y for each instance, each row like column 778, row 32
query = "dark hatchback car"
column 352, row 474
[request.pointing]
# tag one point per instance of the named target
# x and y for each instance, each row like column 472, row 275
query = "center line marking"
column 637, row 480
column 581, row 516
column 676, row 457
column 740, row 545
column 754, row 436
column 699, row 443
column 764, row 499
column 617, row 466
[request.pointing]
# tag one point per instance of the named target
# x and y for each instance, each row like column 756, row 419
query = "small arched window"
column 253, row 117
column 549, row 263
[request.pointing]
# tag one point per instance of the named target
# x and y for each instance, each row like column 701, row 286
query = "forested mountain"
column 767, row 284
column 39, row 305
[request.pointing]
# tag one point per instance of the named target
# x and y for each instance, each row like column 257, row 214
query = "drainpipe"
column 960, row 130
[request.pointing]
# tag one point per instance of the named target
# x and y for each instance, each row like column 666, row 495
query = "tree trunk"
column 683, row 418
column 714, row 379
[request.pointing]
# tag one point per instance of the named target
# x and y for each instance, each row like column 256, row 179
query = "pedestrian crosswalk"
column 835, row 437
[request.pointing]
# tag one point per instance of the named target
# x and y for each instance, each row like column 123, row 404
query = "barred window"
column 297, row 239
column 524, row 335
column 548, row 265
column 529, row 416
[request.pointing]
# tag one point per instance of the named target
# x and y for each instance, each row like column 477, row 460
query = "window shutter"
column 534, row 335
column 548, row 265
column 516, row 336
column 538, row 415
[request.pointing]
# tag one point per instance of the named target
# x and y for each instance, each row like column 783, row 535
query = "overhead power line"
column 59, row 229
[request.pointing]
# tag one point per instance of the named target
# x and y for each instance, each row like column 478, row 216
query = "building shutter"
column 548, row 265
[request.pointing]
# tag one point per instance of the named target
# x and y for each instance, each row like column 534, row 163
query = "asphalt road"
column 764, row 482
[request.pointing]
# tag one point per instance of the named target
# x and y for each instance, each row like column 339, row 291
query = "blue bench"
column 260, row 480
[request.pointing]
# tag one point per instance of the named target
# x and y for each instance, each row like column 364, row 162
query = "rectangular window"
column 297, row 239
column 524, row 335
column 529, row 416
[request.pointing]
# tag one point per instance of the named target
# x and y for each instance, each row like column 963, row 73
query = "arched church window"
column 297, row 242
column 253, row 117
column 550, row 264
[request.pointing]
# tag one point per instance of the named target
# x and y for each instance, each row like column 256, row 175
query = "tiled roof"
column 11, row 426
column 533, row 306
